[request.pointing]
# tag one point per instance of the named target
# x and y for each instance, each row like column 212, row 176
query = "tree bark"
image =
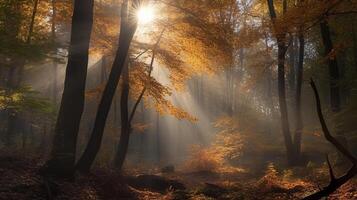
column 282, row 102
column 127, row 31
column 333, row 66
column 127, row 119
column 298, row 112
column 291, row 65
column 72, row 104
column 125, row 125
column 284, row 117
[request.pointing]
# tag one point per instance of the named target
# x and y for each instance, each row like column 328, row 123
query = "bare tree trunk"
column 298, row 111
column 333, row 67
column 72, row 104
column 126, row 120
column 291, row 64
column 282, row 47
column 125, row 124
column 282, row 102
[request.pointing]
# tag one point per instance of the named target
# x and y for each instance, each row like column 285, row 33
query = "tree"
column 280, row 36
column 125, row 123
column 127, row 30
column 24, row 41
column 65, row 140
column 298, row 110
column 299, row 80
column 16, row 79
column 335, row 182
column 126, row 119
column 334, row 72
column 185, row 46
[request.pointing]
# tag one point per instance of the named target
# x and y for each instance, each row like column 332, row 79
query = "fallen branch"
column 335, row 183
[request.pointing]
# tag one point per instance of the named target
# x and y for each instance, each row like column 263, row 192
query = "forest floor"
column 20, row 180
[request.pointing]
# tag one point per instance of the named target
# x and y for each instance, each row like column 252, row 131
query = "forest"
column 178, row 99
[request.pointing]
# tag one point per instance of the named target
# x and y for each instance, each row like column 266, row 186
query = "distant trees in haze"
column 22, row 44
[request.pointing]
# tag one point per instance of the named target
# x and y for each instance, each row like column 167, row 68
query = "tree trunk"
column 72, row 104
column 298, row 113
column 126, row 118
column 127, row 31
column 333, row 66
column 291, row 74
column 125, row 124
column 282, row 102
column 281, row 36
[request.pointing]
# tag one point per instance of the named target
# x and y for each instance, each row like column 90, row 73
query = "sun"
column 146, row 15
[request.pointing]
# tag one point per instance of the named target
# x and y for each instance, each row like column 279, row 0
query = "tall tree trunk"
column 125, row 124
column 72, row 104
column 333, row 66
column 282, row 102
column 128, row 28
column 298, row 111
column 126, row 120
column 281, row 36
column 291, row 65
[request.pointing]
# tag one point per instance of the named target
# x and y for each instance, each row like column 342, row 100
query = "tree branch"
column 332, row 175
column 326, row 131
column 150, row 70
column 335, row 183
